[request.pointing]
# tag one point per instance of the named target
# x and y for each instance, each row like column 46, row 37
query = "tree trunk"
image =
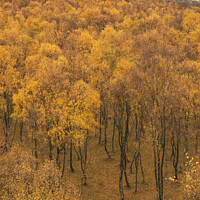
column 14, row 131
column 6, row 130
column 125, row 141
column 64, row 158
column 186, row 133
column 158, row 166
column 83, row 160
column 71, row 158
column 197, row 134
column 113, row 136
column 197, row 142
column 78, row 156
column 125, row 174
column 121, row 178
column 105, row 141
column 176, row 150
column 83, row 178
column 136, row 172
column 21, row 130
column 163, row 136
column 100, row 123
column 36, row 154
column 136, row 127
column 143, row 181
column 105, row 121
column 58, row 157
column 131, row 165
column 50, row 149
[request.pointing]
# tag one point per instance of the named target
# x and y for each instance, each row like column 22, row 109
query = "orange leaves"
column 113, row 14
column 192, row 178
column 60, row 61
column 49, row 50
column 130, row 25
column 52, row 98
column 6, row 59
column 8, row 79
column 75, row 115
column 85, row 42
column 2, row 18
column 91, row 15
column 191, row 20
column 23, row 181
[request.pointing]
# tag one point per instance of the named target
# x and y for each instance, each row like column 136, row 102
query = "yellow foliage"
column 85, row 42
column 192, row 178
column 50, row 50
column 191, row 20
column 23, row 181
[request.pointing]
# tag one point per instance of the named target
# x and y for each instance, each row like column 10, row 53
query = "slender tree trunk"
column 14, row 131
column 36, row 153
column 125, row 174
column 83, row 156
column 176, row 156
column 140, row 135
column 58, row 157
column 6, row 131
column 197, row 134
column 113, row 136
column 136, row 127
column 121, row 177
column 197, row 142
column 71, row 158
column 32, row 143
column 85, row 160
column 100, row 124
column 96, row 120
column 122, row 139
column 131, row 165
column 125, row 141
column 163, row 137
column 142, row 123
column 50, row 149
column 78, row 156
column 186, row 133
column 64, row 158
column 159, row 174
column 21, row 131
column 143, row 181
column 6, row 140
column 7, row 121
column 136, row 170
column 155, row 168
column 105, row 121
column 83, row 178
column 105, row 141
column 137, row 156
column 158, row 165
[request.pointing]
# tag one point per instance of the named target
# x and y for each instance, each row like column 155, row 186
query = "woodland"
column 99, row 100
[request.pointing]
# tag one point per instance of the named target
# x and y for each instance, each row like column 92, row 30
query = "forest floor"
column 103, row 174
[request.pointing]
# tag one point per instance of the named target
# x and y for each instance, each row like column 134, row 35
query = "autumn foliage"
column 127, row 72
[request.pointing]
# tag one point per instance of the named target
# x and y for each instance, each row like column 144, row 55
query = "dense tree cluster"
column 68, row 67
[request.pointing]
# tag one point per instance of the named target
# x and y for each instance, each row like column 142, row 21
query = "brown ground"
column 103, row 175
